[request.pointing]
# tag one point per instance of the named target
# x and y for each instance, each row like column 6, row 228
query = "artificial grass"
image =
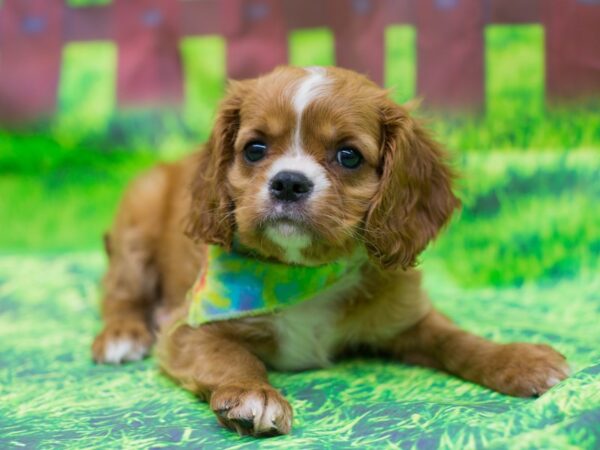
column 53, row 396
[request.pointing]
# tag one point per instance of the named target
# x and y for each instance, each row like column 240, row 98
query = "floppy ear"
column 210, row 219
column 415, row 198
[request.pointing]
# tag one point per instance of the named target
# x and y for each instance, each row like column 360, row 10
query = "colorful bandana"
column 234, row 285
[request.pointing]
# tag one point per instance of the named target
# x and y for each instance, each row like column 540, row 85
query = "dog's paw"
column 121, row 342
column 525, row 370
column 259, row 412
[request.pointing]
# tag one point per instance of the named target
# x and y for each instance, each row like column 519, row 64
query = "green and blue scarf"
column 235, row 284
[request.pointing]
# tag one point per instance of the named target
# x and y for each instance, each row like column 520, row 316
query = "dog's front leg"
column 223, row 371
column 518, row 369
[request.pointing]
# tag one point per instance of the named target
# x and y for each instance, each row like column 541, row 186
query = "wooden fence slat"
column 89, row 23
column 30, row 52
column 358, row 26
column 512, row 12
column 572, row 49
column 256, row 35
column 200, row 17
column 149, row 61
column 304, row 14
column 399, row 12
column 450, row 71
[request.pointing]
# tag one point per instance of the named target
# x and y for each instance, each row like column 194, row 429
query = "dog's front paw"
column 122, row 341
column 259, row 411
column 524, row 370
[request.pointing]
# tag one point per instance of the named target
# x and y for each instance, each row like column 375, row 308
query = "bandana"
column 237, row 284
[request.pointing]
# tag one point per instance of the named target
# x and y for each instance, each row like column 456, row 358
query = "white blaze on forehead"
column 311, row 87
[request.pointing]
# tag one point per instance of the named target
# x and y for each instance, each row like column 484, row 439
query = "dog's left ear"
column 415, row 198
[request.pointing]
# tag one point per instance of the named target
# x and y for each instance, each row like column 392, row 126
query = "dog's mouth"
column 286, row 218
column 286, row 228
column 286, row 223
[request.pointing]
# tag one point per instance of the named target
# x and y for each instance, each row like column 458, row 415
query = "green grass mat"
column 53, row 396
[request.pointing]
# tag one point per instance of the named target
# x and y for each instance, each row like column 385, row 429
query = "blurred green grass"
column 60, row 182
column 525, row 217
column 66, row 202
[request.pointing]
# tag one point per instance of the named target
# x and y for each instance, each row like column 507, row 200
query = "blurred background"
column 93, row 92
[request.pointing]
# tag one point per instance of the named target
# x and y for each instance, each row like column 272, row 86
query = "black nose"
column 290, row 186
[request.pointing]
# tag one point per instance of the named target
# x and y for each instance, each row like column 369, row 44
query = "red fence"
column 450, row 43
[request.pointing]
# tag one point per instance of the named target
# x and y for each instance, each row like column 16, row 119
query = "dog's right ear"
column 415, row 198
column 210, row 219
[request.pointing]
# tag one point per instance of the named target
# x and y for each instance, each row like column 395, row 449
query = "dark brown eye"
column 255, row 151
column 349, row 158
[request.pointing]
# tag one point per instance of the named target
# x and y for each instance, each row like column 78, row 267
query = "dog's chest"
column 308, row 334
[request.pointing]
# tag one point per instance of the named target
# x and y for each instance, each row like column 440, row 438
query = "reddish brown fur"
column 393, row 205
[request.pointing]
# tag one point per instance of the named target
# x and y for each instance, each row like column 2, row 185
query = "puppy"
column 305, row 167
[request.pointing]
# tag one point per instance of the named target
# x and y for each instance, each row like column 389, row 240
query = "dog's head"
column 307, row 165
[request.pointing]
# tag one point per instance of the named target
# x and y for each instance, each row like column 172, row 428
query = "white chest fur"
column 309, row 333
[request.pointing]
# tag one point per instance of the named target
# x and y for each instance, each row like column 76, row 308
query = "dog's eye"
column 349, row 158
column 255, row 151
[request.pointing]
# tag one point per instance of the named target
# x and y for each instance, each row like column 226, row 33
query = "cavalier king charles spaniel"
column 306, row 168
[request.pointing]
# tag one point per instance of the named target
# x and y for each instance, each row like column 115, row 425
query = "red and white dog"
column 305, row 166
